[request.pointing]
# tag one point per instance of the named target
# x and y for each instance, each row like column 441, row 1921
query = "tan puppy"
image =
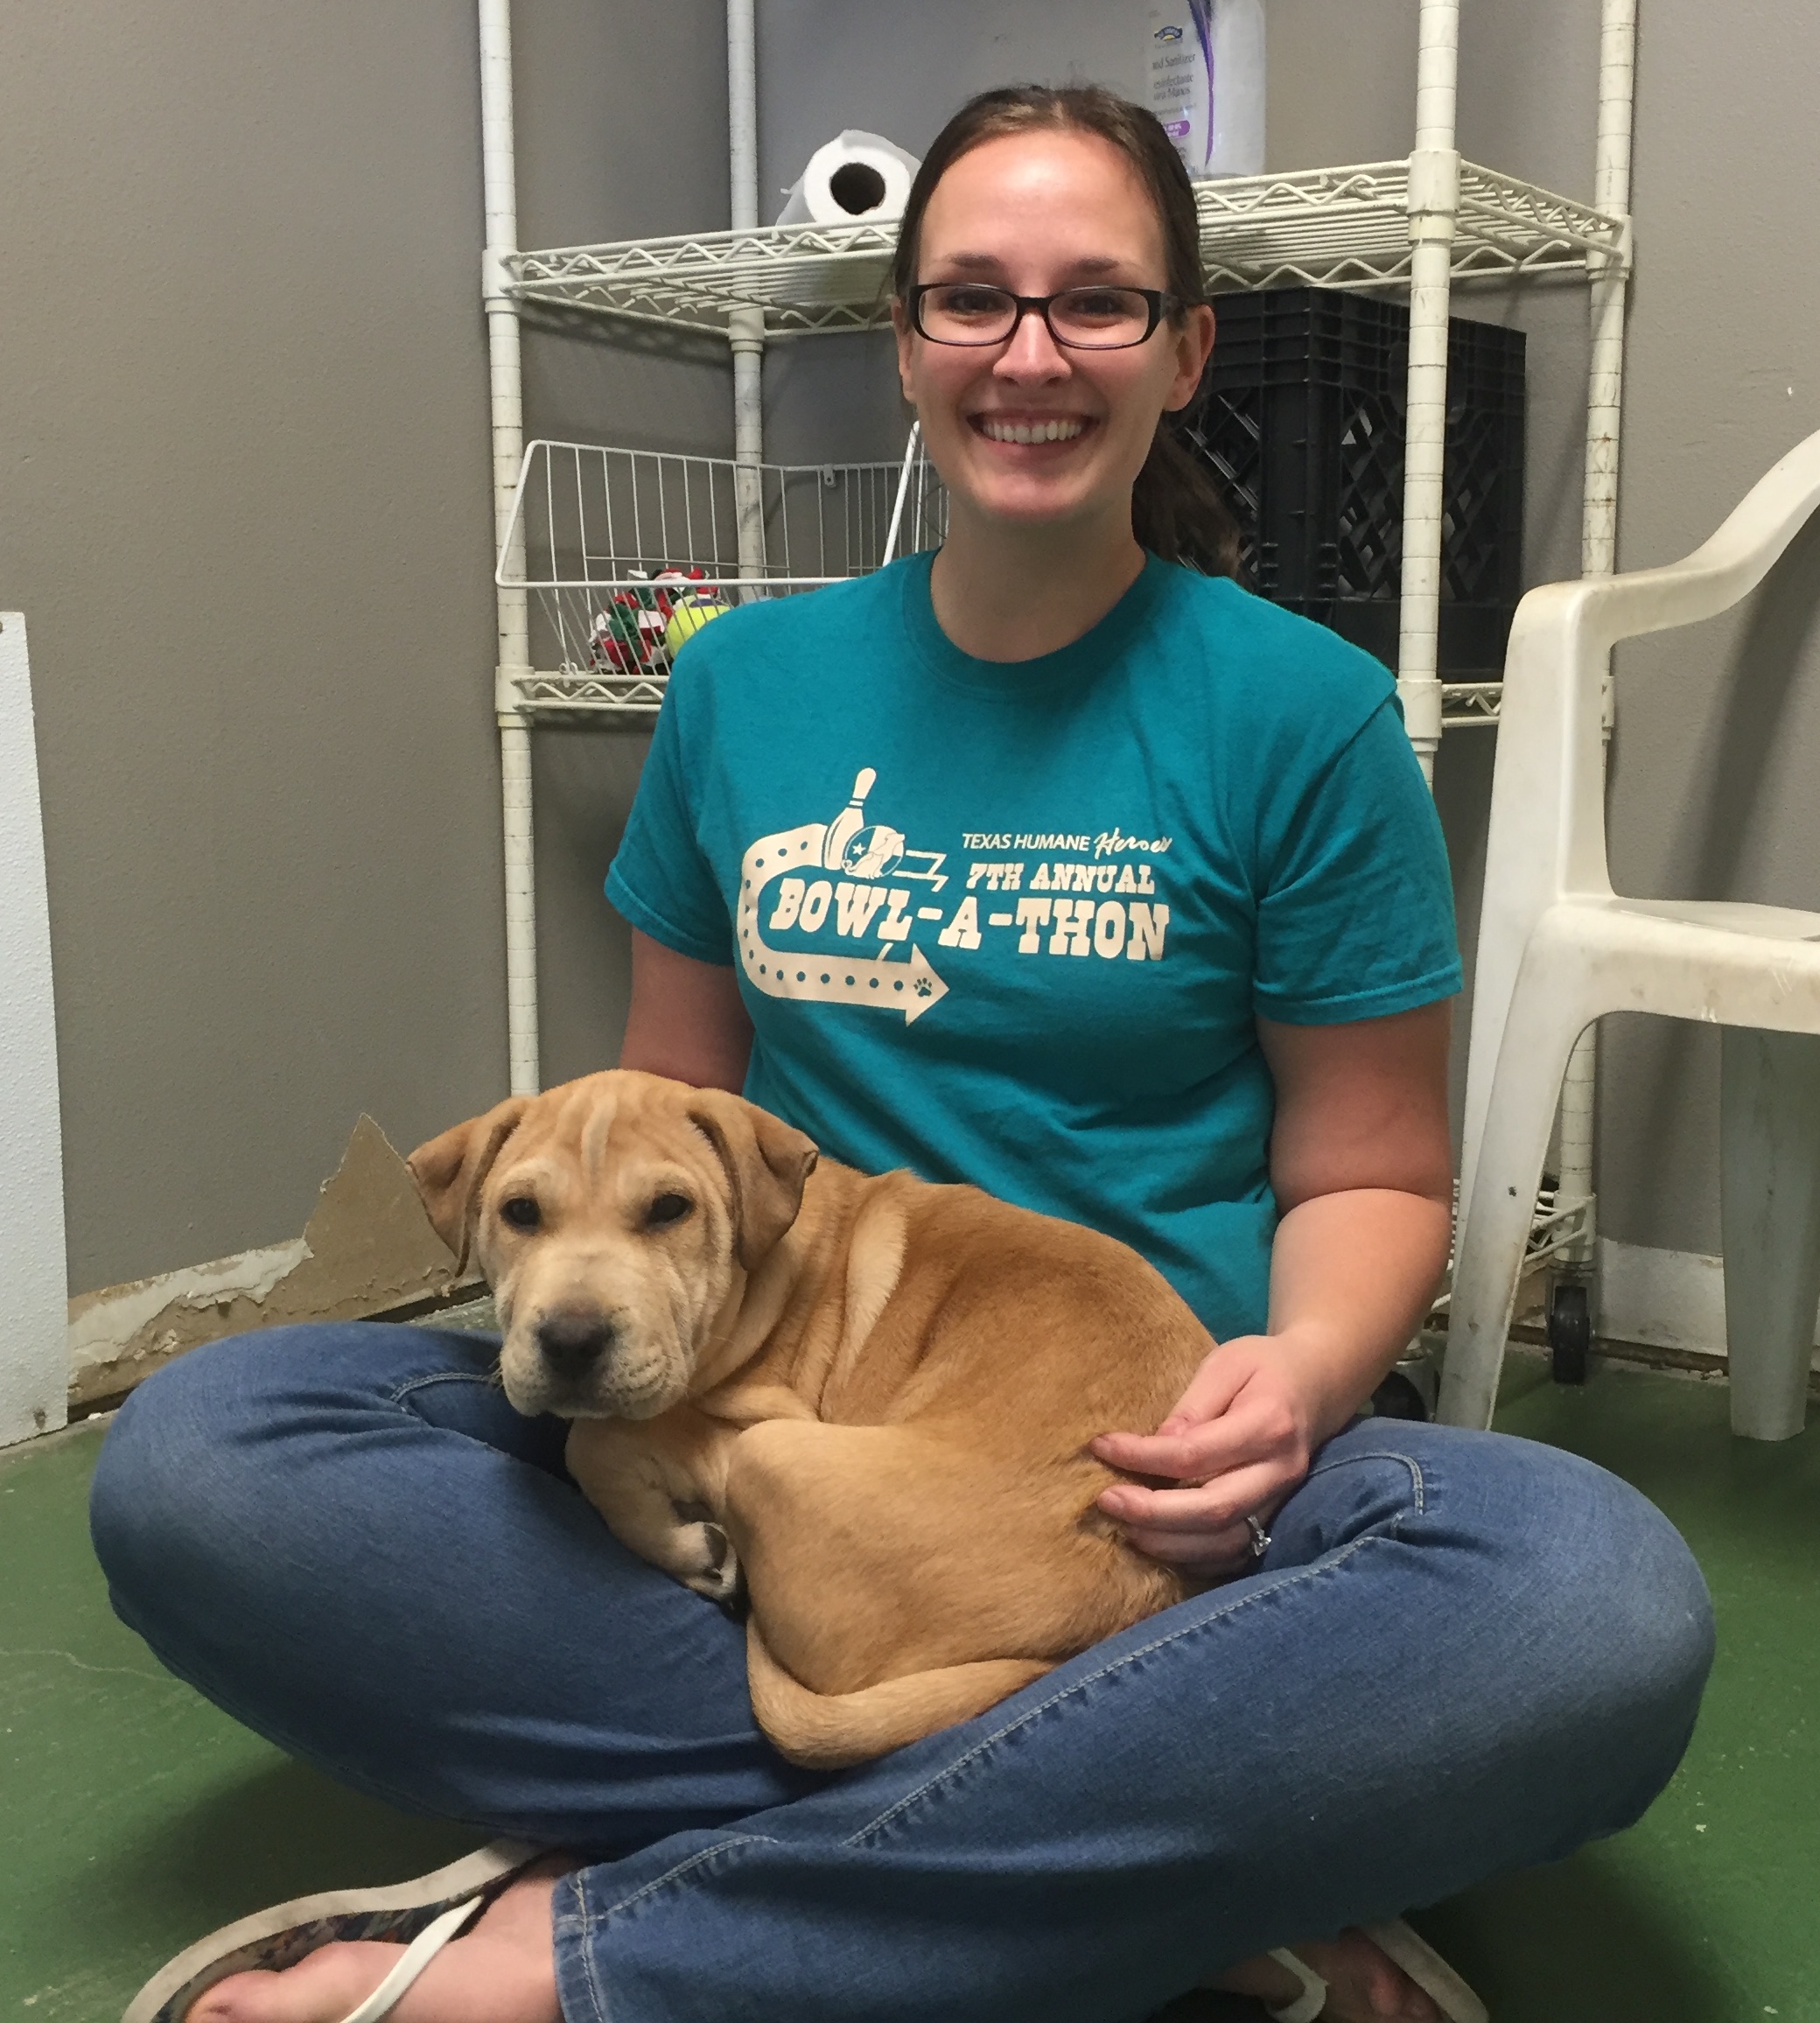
column 871, row 1398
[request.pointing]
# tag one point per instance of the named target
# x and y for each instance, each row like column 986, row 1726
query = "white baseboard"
column 32, row 1386
column 1664, row 1299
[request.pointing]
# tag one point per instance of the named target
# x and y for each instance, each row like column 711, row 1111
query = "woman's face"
column 1035, row 213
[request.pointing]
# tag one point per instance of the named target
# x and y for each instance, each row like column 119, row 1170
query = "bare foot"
column 502, row 1972
column 1363, row 1985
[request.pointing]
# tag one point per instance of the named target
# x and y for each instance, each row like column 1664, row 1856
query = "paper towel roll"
column 855, row 177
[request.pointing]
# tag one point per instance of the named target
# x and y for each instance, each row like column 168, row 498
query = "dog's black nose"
column 572, row 1342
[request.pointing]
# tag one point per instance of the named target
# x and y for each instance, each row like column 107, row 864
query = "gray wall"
column 245, row 506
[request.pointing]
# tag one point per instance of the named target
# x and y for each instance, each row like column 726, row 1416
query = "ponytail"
column 1176, row 512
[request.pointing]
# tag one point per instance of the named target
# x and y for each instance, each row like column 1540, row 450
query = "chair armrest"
column 1725, row 568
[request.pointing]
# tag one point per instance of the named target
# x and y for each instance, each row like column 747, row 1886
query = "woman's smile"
column 1030, row 431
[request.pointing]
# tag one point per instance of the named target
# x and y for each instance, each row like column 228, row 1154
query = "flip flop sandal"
column 425, row 1913
column 1407, row 1949
column 1308, row 2005
column 1428, row 1971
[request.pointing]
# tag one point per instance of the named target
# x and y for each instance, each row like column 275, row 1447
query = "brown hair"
column 1175, row 510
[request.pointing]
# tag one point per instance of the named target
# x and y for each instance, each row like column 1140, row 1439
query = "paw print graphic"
column 923, row 986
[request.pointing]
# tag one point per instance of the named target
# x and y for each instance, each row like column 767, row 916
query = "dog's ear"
column 450, row 1170
column 767, row 1162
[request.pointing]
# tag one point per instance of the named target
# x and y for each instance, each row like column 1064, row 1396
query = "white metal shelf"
column 800, row 278
column 574, row 694
column 1349, row 228
column 1336, row 227
column 596, row 695
column 1555, row 1225
column 1470, row 705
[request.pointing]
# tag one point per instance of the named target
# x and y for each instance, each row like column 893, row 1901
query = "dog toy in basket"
column 618, row 639
column 688, row 616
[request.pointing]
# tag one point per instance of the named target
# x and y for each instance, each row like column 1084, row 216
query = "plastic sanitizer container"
column 1203, row 69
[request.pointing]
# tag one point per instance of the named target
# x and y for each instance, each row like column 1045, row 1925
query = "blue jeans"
column 1462, row 1654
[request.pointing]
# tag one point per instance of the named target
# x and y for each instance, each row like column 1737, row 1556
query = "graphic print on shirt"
column 848, row 884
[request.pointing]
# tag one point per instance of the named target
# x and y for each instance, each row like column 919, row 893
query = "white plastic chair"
column 1558, row 948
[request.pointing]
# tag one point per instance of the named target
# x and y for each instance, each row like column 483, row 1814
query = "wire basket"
column 626, row 554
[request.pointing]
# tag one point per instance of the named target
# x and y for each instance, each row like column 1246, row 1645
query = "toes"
column 1364, row 1984
column 240, row 1999
column 322, row 1989
column 230, row 2001
column 1395, row 1997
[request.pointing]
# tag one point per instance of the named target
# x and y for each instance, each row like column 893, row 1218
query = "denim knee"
column 1622, row 1621
column 155, row 1500
column 233, row 1459
column 193, row 1474
column 1580, row 1628
column 1654, row 1653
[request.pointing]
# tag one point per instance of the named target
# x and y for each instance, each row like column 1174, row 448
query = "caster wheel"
column 1396, row 1397
column 1569, row 1332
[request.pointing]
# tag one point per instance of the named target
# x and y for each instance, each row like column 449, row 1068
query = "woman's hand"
column 1361, row 1171
column 1239, row 1441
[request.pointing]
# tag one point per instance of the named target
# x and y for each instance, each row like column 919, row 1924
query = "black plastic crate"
column 1301, row 423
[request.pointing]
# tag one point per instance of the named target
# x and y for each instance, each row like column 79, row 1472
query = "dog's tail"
column 832, row 1731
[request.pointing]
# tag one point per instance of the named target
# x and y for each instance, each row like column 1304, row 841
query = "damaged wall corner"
column 368, row 1248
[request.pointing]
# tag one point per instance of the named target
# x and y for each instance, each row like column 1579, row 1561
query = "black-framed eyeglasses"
column 975, row 312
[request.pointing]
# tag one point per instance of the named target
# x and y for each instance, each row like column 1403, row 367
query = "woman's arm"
column 687, row 1021
column 1362, row 1166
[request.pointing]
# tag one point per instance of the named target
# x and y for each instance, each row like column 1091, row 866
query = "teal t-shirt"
column 1012, row 923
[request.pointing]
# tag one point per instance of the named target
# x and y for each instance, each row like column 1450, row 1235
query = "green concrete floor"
column 133, row 1818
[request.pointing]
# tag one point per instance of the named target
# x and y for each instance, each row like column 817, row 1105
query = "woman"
column 1137, row 912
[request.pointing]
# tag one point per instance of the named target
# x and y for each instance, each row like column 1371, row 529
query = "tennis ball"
column 688, row 619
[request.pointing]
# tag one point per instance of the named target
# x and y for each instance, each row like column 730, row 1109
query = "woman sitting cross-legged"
column 1159, row 870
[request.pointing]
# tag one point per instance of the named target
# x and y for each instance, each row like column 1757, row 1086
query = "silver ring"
column 1260, row 1539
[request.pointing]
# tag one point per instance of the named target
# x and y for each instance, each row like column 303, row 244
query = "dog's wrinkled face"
column 615, row 1218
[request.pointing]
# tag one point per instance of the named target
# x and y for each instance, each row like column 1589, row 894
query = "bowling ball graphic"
column 872, row 852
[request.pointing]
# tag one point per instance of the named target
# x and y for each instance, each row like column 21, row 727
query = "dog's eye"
column 521, row 1212
column 668, row 1209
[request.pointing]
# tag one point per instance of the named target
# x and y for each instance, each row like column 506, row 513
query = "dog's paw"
column 714, row 1566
